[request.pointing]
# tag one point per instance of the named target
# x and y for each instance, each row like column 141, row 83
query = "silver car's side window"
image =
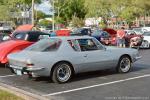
column 99, row 45
column 45, row 45
column 74, row 44
column 87, row 45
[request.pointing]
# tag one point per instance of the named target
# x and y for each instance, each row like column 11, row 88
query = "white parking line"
column 98, row 85
column 103, row 78
column 7, row 75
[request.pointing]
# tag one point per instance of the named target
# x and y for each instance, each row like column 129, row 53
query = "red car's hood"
column 11, row 43
column 9, row 46
column 26, row 27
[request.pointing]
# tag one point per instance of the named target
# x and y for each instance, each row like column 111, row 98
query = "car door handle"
column 85, row 55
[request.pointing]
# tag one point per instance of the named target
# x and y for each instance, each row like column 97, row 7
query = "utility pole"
column 32, row 12
column 53, row 24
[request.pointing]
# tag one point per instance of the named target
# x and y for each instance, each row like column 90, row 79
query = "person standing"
column 121, row 37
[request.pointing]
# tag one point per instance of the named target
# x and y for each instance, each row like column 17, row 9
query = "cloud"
column 44, row 7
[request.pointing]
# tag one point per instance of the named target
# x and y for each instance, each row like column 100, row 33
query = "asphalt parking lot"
column 100, row 85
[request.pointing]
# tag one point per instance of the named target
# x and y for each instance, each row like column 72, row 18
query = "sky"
column 44, row 7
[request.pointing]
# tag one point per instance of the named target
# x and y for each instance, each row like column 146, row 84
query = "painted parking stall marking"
column 7, row 75
column 98, row 85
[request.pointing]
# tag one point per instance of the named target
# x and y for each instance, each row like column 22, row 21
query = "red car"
column 19, row 40
column 112, row 33
column 25, row 27
column 129, row 36
column 63, row 32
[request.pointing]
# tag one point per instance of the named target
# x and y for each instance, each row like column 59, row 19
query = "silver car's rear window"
column 45, row 45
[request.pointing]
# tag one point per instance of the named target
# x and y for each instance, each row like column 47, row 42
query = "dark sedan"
column 102, row 36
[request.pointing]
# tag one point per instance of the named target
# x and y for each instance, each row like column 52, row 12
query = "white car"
column 146, row 40
column 145, row 29
column 129, row 32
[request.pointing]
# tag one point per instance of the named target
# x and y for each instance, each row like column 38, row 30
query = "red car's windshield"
column 19, row 35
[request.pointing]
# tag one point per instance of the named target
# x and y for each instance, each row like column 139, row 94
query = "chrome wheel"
column 124, row 64
column 63, row 72
column 145, row 44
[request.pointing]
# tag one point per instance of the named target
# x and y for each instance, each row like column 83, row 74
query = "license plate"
column 18, row 72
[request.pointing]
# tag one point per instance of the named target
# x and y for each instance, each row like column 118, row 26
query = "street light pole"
column 53, row 24
column 32, row 12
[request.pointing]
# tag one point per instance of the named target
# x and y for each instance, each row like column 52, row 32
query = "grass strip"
column 8, row 96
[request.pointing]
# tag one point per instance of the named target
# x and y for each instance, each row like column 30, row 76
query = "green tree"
column 4, row 13
column 66, row 9
column 40, row 15
column 77, row 22
column 45, row 22
column 125, row 9
column 98, row 8
column 8, row 8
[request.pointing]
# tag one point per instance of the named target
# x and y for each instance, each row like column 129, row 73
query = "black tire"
column 149, row 46
column 62, row 73
column 11, row 69
column 124, row 65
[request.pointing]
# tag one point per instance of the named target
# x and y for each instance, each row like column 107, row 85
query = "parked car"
column 138, row 31
column 19, row 40
column 63, row 32
column 145, row 29
column 146, row 40
column 102, row 36
column 128, row 32
column 112, row 33
column 25, row 27
column 61, row 57
column 82, row 31
column 131, row 35
column 5, row 34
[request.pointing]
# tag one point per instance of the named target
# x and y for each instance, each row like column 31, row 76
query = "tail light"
column 30, row 65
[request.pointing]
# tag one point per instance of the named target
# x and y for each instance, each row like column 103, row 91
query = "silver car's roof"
column 71, row 37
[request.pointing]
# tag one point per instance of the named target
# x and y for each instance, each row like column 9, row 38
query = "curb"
column 21, row 93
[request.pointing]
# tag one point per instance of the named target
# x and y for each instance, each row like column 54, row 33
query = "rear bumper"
column 35, row 69
column 25, row 70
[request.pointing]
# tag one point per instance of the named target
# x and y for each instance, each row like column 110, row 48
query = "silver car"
column 61, row 57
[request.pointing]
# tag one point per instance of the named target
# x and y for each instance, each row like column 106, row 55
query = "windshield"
column 51, row 44
column 19, row 35
column 97, row 33
column 146, row 34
